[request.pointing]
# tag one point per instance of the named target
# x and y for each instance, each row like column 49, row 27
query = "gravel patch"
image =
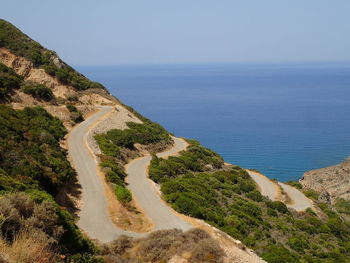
column 117, row 119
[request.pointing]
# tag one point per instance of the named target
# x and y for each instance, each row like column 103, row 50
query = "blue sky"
column 105, row 32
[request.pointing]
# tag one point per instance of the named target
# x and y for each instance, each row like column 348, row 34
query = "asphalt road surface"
column 94, row 219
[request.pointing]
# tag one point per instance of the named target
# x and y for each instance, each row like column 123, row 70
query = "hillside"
column 45, row 79
column 42, row 186
column 42, row 100
column 332, row 181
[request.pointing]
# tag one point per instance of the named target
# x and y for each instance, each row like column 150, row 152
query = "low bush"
column 28, row 247
column 38, row 91
column 84, row 258
column 162, row 245
column 21, row 45
column 230, row 201
column 75, row 114
column 30, row 152
column 71, row 108
column 123, row 194
column 145, row 133
column 115, row 174
column 115, row 142
column 120, row 245
column 9, row 80
column 311, row 194
column 194, row 159
column 342, row 206
column 295, row 184
column 20, row 213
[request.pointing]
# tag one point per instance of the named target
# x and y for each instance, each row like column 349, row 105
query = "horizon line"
column 285, row 62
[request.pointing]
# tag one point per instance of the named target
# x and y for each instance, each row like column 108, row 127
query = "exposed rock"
column 57, row 62
column 208, row 167
column 85, row 101
column 325, row 197
column 26, row 69
column 333, row 182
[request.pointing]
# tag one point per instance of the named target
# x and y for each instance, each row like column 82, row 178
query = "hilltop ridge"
column 43, row 99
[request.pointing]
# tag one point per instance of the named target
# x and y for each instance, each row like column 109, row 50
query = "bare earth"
column 95, row 220
column 333, row 180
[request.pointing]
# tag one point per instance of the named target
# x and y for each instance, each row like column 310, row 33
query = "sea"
column 280, row 118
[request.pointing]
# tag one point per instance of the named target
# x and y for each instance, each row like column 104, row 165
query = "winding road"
column 266, row 186
column 299, row 201
column 272, row 190
column 146, row 195
column 94, row 218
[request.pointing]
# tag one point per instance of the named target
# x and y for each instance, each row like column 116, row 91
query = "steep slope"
column 333, row 182
column 33, row 76
column 222, row 200
column 40, row 66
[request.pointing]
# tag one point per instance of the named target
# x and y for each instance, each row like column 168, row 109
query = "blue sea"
column 282, row 119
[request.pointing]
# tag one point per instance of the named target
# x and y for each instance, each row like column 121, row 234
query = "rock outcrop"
column 333, row 182
column 84, row 100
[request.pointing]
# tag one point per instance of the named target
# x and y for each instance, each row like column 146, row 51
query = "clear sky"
column 104, row 32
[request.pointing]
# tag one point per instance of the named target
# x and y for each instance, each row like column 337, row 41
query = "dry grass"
column 29, row 231
column 28, row 247
column 194, row 246
column 18, row 212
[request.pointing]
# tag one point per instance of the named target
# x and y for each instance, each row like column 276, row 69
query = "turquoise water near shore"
column 282, row 119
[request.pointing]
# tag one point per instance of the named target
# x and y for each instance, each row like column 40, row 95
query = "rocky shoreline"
column 332, row 182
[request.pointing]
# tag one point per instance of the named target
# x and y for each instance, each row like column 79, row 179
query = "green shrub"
column 84, row 258
column 77, row 117
column 255, row 196
column 279, row 254
column 123, row 194
column 30, row 152
column 277, row 205
column 145, row 133
column 9, row 80
column 38, row 91
column 295, row 184
column 194, row 159
column 72, row 240
column 311, row 194
column 342, row 206
column 21, row 45
column 20, row 213
column 298, row 244
column 71, row 108
column 75, row 114
column 114, row 173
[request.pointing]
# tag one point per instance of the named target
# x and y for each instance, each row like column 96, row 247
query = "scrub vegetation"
column 161, row 246
column 112, row 142
column 230, row 201
column 75, row 114
column 117, row 144
column 33, row 170
column 21, row 45
column 196, row 159
column 9, row 81
column 38, row 91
